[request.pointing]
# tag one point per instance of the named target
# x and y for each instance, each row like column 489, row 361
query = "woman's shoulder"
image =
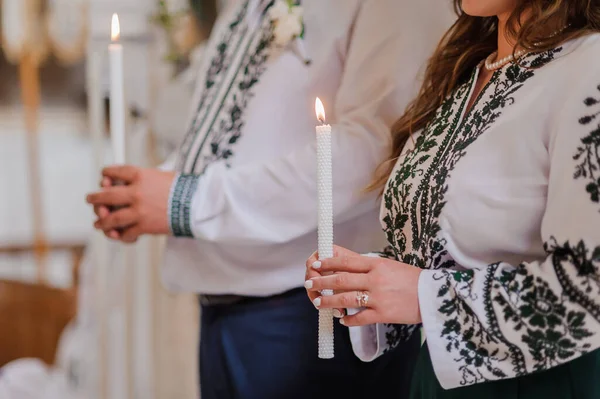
column 581, row 56
column 588, row 43
column 575, row 85
column 571, row 69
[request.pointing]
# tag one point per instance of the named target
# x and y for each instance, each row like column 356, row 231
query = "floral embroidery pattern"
column 585, row 284
column 588, row 154
column 227, row 131
column 412, row 226
column 465, row 334
column 218, row 121
column 214, row 78
column 553, row 329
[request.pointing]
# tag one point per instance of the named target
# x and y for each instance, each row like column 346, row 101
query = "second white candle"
column 117, row 94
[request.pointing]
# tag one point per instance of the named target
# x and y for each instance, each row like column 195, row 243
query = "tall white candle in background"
column 325, row 222
column 121, row 374
column 117, row 93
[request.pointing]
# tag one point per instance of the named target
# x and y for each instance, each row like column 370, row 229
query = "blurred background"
column 81, row 317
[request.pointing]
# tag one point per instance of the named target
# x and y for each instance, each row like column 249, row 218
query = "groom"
column 238, row 200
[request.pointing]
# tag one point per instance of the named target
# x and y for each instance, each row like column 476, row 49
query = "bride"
column 492, row 212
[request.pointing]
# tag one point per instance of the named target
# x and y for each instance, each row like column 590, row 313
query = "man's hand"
column 144, row 198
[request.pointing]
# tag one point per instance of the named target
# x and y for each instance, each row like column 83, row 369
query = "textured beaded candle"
column 325, row 222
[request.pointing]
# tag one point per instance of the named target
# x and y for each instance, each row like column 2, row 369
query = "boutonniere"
column 288, row 26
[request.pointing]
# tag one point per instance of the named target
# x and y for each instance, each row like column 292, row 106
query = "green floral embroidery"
column 411, row 221
column 223, row 130
column 551, row 329
column 588, row 154
column 585, row 285
column 214, row 79
column 227, row 131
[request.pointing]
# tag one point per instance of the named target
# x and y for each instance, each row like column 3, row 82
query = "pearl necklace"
column 494, row 66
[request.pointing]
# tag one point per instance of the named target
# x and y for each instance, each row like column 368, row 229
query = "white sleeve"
column 508, row 320
column 373, row 340
column 247, row 204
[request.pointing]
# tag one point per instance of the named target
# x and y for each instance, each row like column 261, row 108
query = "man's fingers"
column 121, row 195
column 131, row 234
column 125, row 173
column 106, row 182
column 101, row 211
column 113, row 235
column 117, row 220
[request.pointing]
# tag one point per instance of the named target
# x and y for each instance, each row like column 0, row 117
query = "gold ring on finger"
column 362, row 299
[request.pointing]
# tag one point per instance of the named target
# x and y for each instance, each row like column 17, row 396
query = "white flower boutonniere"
column 288, row 23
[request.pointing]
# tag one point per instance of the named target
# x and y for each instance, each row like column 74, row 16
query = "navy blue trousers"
column 267, row 349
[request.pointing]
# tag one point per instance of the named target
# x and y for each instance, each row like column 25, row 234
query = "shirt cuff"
column 364, row 340
column 180, row 204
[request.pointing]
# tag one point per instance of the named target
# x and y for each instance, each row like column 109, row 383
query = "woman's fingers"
column 344, row 300
column 312, row 295
column 362, row 318
column 341, row 251
column 311, row 260
column 310, row 274
column 337, row 252
column 338, row 282
column 353, row 264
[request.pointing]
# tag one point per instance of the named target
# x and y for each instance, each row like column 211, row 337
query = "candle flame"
column 320, row 110
column 115, row 28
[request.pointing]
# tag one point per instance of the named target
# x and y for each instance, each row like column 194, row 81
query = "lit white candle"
column 325, row 222
column 117, row 93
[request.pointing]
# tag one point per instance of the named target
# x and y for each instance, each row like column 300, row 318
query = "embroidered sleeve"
column 508, row 320
column 371, row 341
column 180, row 200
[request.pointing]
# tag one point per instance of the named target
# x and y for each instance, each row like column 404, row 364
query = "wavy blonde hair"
column 470, row 40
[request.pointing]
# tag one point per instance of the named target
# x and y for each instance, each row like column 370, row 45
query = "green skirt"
column 579, row 379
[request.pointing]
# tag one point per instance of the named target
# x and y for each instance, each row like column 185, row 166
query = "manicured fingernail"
column 316, row 265
column 342, row 322
column 337, row 314
column 308, row 284
column 317, row 302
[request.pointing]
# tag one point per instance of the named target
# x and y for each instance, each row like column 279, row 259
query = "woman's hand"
column 390, row 288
